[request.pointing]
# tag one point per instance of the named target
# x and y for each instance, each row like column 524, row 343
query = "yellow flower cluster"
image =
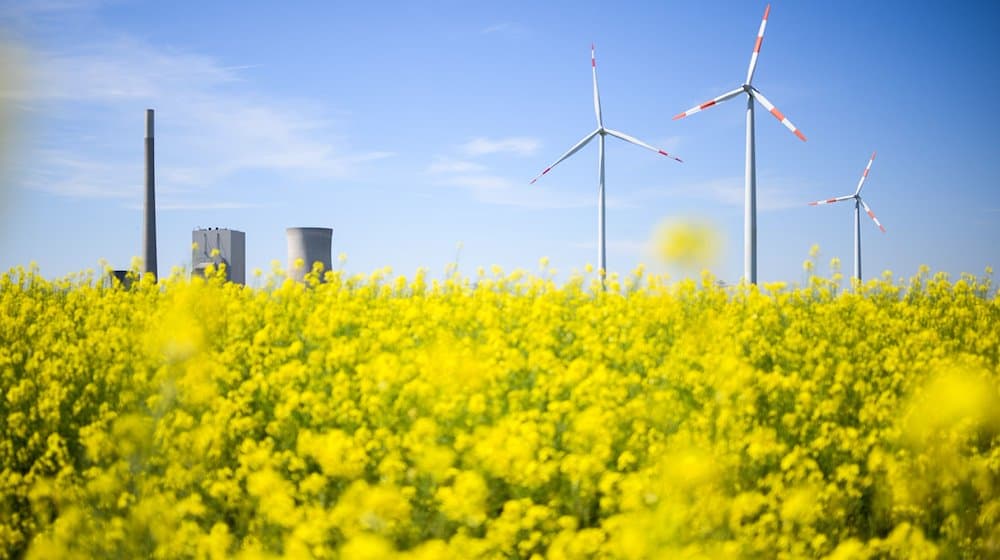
column 502, row 416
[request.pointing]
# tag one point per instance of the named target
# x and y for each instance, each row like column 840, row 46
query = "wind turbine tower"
column 858, row 204
column 750, row 175
column 600, row 133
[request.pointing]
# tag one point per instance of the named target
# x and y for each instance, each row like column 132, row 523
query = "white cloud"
column 505, row 27
column 772, row 193
column 491, row 188
column 73, row 176
column 628, row 247
column 479, row 182
column 670, row 144
column 498, row 190
column 23, row 12
column 442, row 165
column 519, row 145
column 185, row 206
column 210, row 125
column 536, row 199
column 123, row 69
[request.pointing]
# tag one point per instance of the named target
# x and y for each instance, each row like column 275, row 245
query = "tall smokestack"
column 149, row 229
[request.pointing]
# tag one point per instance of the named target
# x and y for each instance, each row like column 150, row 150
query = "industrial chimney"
column 311, row 244
column 149, row 225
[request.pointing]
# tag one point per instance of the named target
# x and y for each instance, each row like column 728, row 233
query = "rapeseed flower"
column 375, row 415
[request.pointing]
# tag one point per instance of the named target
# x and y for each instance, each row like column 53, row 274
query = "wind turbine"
column 858, row 204
column 600, row 133
column 750, row 194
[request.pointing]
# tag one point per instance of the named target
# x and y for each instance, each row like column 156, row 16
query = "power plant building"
column 311, row 245
column 216, row 246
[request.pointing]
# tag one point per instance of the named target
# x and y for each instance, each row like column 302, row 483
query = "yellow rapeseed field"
column 499, row 416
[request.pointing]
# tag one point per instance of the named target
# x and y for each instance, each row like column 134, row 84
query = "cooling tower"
column 311, row 244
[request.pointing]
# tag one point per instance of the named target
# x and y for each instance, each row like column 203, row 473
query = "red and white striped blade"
column 832, row 200
column 864, row 175
column 777, row 114
column 638, row 142
column 872, row 215
column 709, row 103
column 756, row 46
column 597, row 96
column 571, row 151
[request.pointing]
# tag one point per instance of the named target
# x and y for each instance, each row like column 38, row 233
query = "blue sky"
column 412, row 127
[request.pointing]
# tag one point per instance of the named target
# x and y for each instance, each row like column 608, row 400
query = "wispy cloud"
column 669, row 144
column 24, row 10
column 479, row 182
column 494, row 189
column 468, row 172
column 202, row 104
column 772, row 193
column 506, row 27
column 489, row 187
column 452, row 165
column 625, row 246
column 70, row 175
column 193, row 206
column 116, row 71
column 536, row 199
column 519, row 145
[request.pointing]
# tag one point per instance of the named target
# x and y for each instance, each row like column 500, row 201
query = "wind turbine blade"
column 571, row 151
column 638, row 142
column 756, row 46
column 832, row 200
column 864, row 175
column 777, row 114
column 597, row 96
column 871, row 215
column 710, row 102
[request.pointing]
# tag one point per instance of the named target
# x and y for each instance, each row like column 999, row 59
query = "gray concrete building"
column 232, row 250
